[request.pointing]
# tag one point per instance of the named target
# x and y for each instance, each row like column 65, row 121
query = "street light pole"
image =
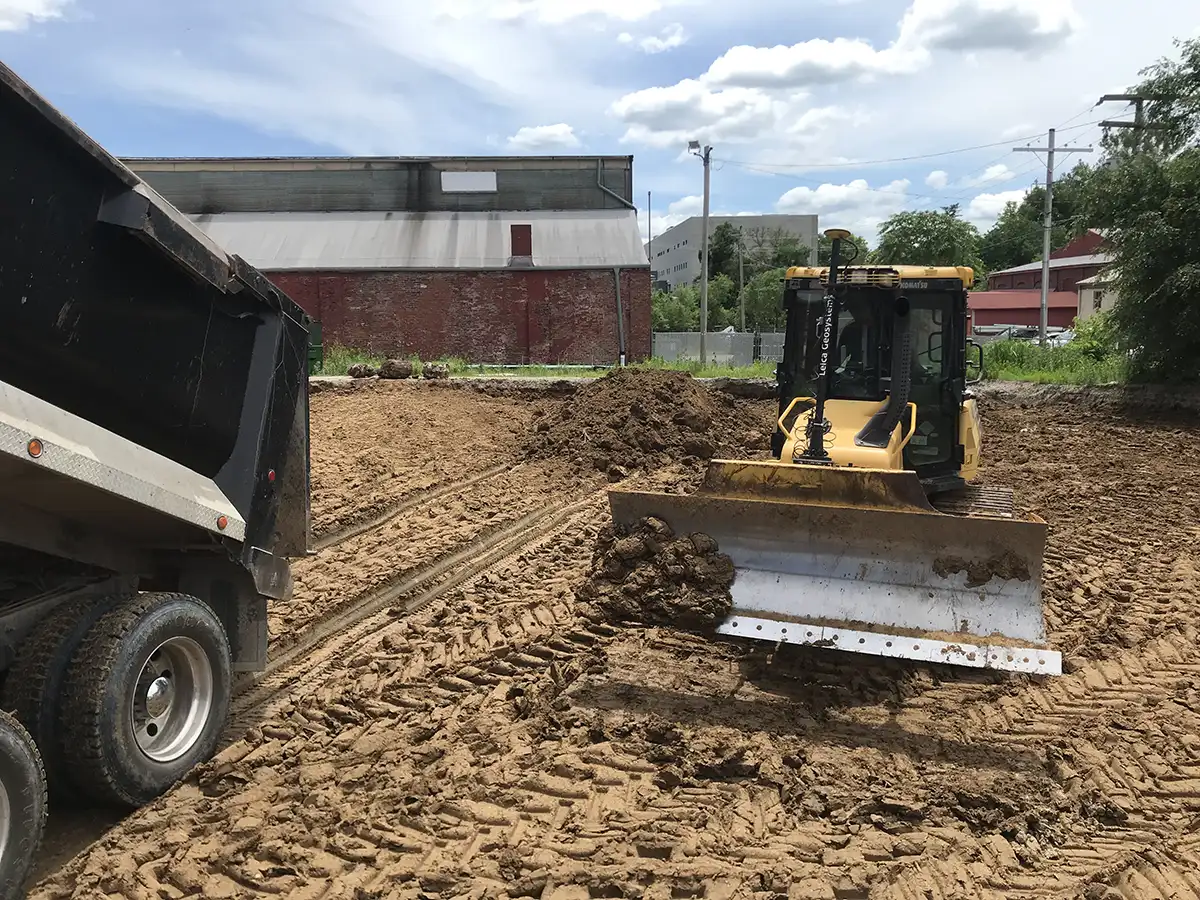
column 705, row 157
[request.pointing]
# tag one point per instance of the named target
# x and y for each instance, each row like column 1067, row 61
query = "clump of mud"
column 638, row 419
column 1006, row 566
column 648, row 574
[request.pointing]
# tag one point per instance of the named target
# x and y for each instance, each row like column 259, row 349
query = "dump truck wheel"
column 147, row 695
column 22, row 806
column 34, row 685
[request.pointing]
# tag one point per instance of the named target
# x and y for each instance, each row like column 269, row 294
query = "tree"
column 1016, row 238
column 764, row 301
column 677, row 310
column 722, row 252
column 1145, row 195
column 722, row 302
column 825, row 249
column 928, row 238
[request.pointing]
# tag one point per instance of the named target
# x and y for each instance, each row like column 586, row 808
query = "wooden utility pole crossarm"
column 1048, row 220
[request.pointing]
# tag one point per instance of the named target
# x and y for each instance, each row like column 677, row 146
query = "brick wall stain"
column 498, row 317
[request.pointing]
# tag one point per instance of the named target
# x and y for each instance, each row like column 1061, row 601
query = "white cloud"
column 746, row 81
column 993, row 174
column 17, row 15
column 984, row 209
column 854, row 205
column 544, row 137
column 666, row 116
column 937, row 179
column 669, row 38
column 808, row 63
column 1027, row 26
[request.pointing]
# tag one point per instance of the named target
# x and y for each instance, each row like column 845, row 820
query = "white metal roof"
column 436, row 240
column 1096, row 259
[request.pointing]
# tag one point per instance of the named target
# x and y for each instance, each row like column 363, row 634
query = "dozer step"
column 976, row 500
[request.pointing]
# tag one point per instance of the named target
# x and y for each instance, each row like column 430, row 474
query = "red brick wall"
column 1056, row 316
column 522, row 316
column 1063, row 279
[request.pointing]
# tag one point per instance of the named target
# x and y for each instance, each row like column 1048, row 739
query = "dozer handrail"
column 784, row 414
column 912, row 424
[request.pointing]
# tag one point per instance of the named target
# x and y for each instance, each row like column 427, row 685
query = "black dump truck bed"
column 153, row 476
column 119, row 310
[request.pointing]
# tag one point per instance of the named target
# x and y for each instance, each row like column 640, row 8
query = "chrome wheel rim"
column 172, row 700
column 5, row 820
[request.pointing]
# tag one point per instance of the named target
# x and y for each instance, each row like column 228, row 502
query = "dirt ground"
column 442, row 718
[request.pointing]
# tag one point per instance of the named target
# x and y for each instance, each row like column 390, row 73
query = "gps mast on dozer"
column 863, row 533
column 153, row 476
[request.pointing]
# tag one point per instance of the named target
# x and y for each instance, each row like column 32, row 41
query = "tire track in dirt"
column 326, row 584
column 321, row 645
column 1096, row 728
column 547, row 812
column 412, row 502
column 416, row 664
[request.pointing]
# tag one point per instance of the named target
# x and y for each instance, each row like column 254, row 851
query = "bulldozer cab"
column 933, row 301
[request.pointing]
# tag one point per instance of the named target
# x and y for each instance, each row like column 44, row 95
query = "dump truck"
column 868, row 532
column 154, row 476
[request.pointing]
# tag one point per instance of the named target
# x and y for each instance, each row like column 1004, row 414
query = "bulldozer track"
column 415, row 501
column 324, row 640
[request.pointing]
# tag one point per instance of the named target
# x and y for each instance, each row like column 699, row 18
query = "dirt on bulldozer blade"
column 648, row 574
column 465, row 700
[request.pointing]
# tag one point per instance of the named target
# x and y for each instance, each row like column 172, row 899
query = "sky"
column 850, row 109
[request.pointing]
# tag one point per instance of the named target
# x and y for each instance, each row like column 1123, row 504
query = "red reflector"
column 222, row 522
column 271, row 475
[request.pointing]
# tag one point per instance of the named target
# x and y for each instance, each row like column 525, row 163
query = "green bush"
column 1074, row 363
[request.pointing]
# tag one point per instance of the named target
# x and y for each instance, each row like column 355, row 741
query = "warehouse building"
column 676, row 252
column 510, row 260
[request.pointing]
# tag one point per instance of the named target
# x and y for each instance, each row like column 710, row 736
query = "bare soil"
column 640, row 420
column 651, row 575
column 375, row 444
column 482, row 734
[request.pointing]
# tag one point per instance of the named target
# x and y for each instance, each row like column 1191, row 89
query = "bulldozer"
column 866, row 531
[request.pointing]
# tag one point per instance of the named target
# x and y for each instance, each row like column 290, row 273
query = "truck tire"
column 22, row 806
column 146, row 698
column 34, row 686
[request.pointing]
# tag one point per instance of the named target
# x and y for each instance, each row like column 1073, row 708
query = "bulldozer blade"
column 858, row 560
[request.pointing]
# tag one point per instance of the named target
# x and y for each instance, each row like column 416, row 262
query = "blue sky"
column 799, row 98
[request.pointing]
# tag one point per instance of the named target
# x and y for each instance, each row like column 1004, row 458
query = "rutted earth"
column 489, row 734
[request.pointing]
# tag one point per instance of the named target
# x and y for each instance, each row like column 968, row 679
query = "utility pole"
column 1139, row 118
column 705, row 155
column 1048, row 221
column 741, row 284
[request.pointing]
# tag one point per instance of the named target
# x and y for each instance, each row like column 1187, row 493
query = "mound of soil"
column 647, row 574
column 643, row 419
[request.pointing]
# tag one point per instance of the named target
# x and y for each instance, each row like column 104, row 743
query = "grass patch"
column 1026, row 361
column 338, row 359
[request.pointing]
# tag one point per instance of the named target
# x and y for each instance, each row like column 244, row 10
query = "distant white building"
column 675, row 254
column 1096, row 294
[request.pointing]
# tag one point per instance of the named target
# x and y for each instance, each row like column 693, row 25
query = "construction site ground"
column 439, row 719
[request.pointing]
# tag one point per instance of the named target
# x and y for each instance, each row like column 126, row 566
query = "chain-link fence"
column 724, row 347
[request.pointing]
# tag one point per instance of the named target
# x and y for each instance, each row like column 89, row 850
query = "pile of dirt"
column 647, row 574
column 634, row 419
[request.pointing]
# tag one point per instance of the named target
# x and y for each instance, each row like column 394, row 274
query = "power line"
column 896, row 159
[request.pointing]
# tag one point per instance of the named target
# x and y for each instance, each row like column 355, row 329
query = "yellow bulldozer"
column 864, row 533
